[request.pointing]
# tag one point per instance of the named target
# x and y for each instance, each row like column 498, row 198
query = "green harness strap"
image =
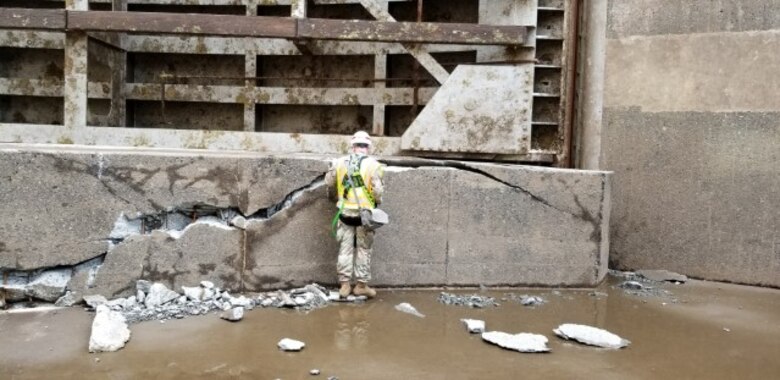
column 347, row 184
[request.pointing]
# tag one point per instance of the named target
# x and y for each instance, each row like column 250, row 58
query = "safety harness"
column 353, row 180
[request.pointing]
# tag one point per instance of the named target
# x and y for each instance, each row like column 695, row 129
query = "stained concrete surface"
column 539, row 226
column 714, row 331
column 693, row 137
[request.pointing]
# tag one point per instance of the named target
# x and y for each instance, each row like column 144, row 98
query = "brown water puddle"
column 373, row 341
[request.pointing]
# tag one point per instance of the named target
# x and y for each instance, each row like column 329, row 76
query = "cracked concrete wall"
column 691, row 127
column 452, row 223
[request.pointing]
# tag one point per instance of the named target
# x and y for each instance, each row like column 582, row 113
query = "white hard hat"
column 361, row 137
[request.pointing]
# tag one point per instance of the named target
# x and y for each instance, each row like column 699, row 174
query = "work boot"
column 345, row 289
column 362, row 289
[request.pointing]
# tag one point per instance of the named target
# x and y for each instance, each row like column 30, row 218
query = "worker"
column 355, row 182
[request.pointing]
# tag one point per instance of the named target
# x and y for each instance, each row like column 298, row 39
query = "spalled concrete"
column 451, row 223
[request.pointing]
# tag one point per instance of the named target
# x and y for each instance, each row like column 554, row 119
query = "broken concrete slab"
column 109, row 331
column 591, row 336
column 49, row 285
column 523, row 342
column 270, row 253
column 94, row 301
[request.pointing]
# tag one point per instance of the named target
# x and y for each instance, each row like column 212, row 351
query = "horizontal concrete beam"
column 218, row 141
column 49, row 88
column 32, row 39
column 261, row 26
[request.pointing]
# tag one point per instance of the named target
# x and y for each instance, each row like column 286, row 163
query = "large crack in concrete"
column 423, row 163
column 176, row 220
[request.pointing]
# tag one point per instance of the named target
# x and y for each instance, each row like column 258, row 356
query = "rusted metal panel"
column 182, row 24
column 480, row 109
column 411, row 32
column 40, row 19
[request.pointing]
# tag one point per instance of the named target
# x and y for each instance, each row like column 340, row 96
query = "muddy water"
column 687, row 339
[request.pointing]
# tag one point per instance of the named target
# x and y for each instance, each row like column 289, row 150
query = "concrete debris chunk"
column 470, row 300
column 590, row 335
column 314, row 372
column 409, row 309
column 474, row 325
column 49, row 285
column 94, row 301
column 240, row 301
column 68, row 300
column 660, row 275
column 193, row 293
column 527, row 300
column 158, row 295
column 288, row 344
column 140, row 295
column 109, row 331
column 523, row 342
column 234, row 315
column 207, row 284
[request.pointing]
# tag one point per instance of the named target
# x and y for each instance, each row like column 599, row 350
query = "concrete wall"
column 168, row 216
column 691, row 127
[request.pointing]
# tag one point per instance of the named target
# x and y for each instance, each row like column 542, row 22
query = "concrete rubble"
column 470, row 300
column 109, row 331
column 233, row 315
column 474, row 326
column 590, row 335
column 288, row 344
column 527, row 300
column 639, row 285
column 409, row 309
column 523, row 342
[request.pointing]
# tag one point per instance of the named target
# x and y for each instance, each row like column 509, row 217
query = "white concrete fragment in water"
column 159, row 294
column 288, row 344
column 474, row 325
column 234, row 315
column 193, row 293
column 409, row 309
column 109, row 331
column 590, row 335
column 523, row 342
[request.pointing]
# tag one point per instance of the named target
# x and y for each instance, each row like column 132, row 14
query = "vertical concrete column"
column 75, row 90
column 298, row 9
column 117, row 116
column 250, row 71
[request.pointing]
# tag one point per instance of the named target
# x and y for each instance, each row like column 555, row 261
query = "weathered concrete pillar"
column 591, row 86
column 75, row 91
column 380, row 72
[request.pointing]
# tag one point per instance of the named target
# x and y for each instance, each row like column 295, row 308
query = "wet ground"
column 713, row 331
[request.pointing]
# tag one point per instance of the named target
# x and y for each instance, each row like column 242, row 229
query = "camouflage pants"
column 354, row 252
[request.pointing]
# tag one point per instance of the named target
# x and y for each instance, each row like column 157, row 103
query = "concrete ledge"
column 169, row 216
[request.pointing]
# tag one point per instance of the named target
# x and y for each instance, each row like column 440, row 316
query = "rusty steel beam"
column 182, row 24
column 411, row 32
column 261, row 26
column 39, row 19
